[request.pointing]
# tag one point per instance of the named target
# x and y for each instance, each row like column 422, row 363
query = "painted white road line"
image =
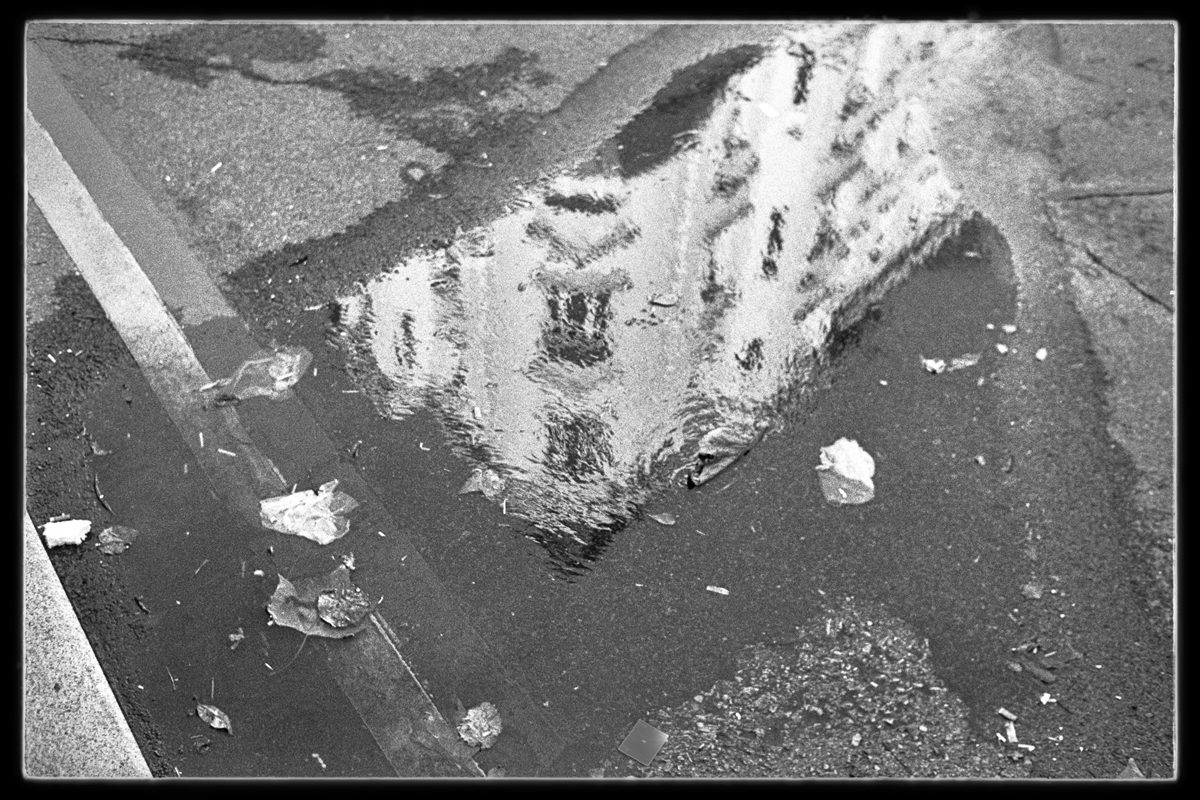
column 131, row 302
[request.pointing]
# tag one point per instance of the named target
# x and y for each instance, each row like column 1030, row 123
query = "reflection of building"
column 581, row 346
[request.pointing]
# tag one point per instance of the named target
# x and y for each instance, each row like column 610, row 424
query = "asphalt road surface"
column 542, row 263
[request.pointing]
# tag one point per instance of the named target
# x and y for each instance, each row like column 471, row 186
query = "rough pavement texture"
column 251, row 144
column 854, row 695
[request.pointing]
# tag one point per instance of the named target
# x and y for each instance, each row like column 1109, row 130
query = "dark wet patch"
column 199, row 54
column 653, row 135
column 450, row 109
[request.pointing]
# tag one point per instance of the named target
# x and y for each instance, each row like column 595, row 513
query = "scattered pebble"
column 1001, row 348
column 1009, row 328
column 1041, row 354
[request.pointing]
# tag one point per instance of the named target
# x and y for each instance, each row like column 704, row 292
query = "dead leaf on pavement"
column 323, row 605
column 214, row 716
column 115, row 539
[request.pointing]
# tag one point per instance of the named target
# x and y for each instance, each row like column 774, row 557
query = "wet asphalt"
column 947, row 545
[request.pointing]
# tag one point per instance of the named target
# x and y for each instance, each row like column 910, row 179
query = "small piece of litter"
column 223, row 451
column 1010, row 328
column 934, row 366
column 258, row 573
column 845, row 471
column 320, row 761
column 269, row 373
column 236, row 638
column 1041, row 354
column 481, row 726
column 1010, row 731
column 883, row 383
column 980, row 460
column 1131, row 771
column 716, row 589
column 317, row 516
column 964, row 361
column 665, row 518
column 201, row 434
column 1008, row 715
column 53, row 360
column 1032, row 590
column 348, row 560
column 216, row 167
column 855, row 740
column 1024, row 746
column 1045, row 698
column 970, row 254
column 991, row 327
column 643, row 743
column 67, row 531
column 215, row 717
column 1001, row 348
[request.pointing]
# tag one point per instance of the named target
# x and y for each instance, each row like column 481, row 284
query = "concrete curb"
column 73, row 726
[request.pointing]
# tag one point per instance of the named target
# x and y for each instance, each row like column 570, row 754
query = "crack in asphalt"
column 1100, row 262
column 1149, row 192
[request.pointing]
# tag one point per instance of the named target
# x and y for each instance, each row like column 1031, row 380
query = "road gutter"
column 157, row 343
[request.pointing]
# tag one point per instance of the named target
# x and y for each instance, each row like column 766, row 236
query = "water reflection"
column 643, row 320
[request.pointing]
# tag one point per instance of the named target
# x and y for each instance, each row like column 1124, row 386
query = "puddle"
column 582, row 346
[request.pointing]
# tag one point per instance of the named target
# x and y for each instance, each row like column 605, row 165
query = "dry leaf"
column 115, row 539
column 214, row 716
column 481, row 726
column 299, row 605
column 343, row 608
